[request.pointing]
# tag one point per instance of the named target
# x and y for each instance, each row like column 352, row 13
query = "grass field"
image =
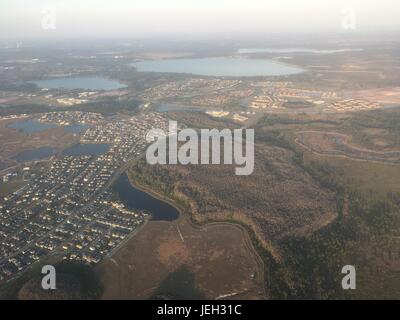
column 10, row 187
column 181, row 261
column 371, row 178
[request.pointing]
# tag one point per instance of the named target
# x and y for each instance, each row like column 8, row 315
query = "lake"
column 76, row 128
column 295, row 50
column 31, row 126
column 87, row 149
column 35, row 154
column 169, row 107
column 219, row 67
column 88, row 83
column 135, row 199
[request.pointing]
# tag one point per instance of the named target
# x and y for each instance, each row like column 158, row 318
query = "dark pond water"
column 35, row 154
column 136, row 199
column 169, row 107
column 76, row 128
column 87, row 149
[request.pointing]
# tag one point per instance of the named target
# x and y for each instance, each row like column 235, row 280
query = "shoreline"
column 183, row 215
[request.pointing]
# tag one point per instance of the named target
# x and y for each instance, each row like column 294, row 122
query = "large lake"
column 220, row 67
column 76, row 128
column 169, row 107
column 295, row 50
column 135, row 199
column 35, row 154
column 88, row 83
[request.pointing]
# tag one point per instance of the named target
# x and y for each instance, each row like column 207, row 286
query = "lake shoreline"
column 251, row 241
column 143, row 200
column 227, row 66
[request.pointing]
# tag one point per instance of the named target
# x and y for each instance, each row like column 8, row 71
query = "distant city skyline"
column 144, row 18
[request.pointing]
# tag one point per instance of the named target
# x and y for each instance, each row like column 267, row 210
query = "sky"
column 145, row 18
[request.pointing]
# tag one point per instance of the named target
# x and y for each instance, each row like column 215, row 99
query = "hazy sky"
column 141, row 18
